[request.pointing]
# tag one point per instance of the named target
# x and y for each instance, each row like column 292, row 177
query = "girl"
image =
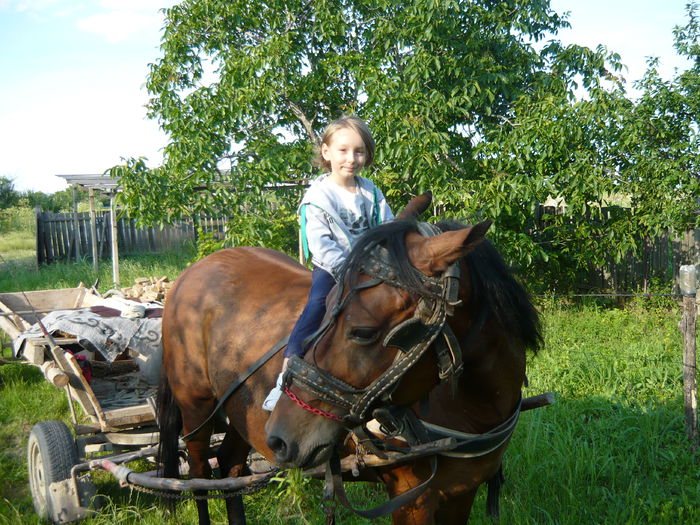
column 336, row 209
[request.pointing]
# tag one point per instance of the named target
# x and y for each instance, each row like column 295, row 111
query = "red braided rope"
column 291, row 395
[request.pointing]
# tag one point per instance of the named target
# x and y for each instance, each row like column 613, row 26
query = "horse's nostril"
column 278, row 446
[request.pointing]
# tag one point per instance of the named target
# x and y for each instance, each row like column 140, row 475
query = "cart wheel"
column 51, row 453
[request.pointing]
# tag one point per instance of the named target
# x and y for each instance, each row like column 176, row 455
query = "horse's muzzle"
column 284, row 453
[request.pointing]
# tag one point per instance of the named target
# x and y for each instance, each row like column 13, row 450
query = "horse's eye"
column 364, row 335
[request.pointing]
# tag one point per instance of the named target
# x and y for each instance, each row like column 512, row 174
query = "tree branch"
column 298, row 113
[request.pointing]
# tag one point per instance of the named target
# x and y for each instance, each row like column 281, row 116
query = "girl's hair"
column 347, row 122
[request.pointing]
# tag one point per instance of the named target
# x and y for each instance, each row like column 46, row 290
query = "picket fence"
column 660, row 257
column 56, row 241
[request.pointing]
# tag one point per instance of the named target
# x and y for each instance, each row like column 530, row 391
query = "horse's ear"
column 433, row 255
column 416, row 206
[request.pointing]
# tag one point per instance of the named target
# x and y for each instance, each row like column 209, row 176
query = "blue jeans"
column 310, row 319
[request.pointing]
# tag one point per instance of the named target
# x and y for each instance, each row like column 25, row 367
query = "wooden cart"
column 117, row 406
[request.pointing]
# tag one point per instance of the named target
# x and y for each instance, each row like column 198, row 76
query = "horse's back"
column 226, row 310
column 231, row 275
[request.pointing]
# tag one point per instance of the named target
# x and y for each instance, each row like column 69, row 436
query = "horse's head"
column 399, row 285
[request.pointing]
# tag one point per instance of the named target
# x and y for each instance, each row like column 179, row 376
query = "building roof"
column 96, row 181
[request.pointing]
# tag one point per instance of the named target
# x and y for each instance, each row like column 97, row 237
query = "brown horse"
column 228, row 309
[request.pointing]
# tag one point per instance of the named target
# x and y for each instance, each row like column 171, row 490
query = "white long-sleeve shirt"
column 333, row 218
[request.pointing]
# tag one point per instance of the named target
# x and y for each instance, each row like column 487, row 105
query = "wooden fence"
column 55, row 239
column 660, row 257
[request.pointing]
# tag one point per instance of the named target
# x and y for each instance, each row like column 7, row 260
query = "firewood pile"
column 148, row 289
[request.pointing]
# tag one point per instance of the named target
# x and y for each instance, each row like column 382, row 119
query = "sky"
column 72, row 75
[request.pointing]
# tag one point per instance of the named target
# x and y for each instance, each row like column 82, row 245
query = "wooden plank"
column 40, row 254
column 64, row 240
column 690, row 387
column 9, row 328
column 35, row 354
column 47, row 239
column 83, row 235
column 55, row 233
column 129, row 416
column 104, row 228
column 79, row 388
column 93, row 229
column 76, row 225
column 59, row 340
column 115, row 240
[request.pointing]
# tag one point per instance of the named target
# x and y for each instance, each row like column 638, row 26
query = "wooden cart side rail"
column 110, row 420
column 23, row 309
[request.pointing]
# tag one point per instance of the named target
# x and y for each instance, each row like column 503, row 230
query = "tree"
column 464, row 97
column 8, row 196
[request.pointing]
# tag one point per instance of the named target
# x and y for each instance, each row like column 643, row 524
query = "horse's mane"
column 497, row 288
column 493, row 283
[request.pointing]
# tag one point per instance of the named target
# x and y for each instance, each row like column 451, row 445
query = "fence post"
column 93, row 229
column 687, row 281
column 115, row 238
column 76, row 225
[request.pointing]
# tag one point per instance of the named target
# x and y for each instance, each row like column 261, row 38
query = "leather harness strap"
column 428, row 328
column 412, row 337
column 334, row 479
column 238, row 382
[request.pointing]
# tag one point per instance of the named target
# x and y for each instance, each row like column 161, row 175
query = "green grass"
column 612, row 450
column 17, row 276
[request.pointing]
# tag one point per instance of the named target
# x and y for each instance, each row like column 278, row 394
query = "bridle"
column 413, row 337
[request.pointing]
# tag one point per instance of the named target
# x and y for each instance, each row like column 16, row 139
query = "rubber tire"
column 51, row 454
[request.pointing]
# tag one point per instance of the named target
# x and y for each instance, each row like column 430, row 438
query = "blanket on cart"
column 110, row 336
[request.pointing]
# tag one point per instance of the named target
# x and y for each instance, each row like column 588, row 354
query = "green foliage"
column 60, row 201
column 247, row 88
column 464, row 98
column 8, row 195
column 207, row 244
column 17, row 219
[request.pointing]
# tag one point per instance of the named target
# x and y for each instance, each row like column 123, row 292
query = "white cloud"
column 84, row 124
column 120, row 20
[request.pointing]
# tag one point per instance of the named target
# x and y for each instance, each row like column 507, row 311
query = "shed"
column 110, row 186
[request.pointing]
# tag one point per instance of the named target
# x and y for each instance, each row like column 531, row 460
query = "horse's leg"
column 420, row 511
column 455, row 510
column 232, row 456
column 429, row 509
column 198, row 450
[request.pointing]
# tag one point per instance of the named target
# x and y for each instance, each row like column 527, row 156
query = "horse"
column 226, row 310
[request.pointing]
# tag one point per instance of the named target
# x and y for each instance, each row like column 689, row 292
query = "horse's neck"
column 489, row 387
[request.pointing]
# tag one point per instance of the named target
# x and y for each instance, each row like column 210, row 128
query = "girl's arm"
column 384, row 210
column 385, row 213
column 325, row 250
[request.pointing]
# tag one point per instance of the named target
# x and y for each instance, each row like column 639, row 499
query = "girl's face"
column 346, row 153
